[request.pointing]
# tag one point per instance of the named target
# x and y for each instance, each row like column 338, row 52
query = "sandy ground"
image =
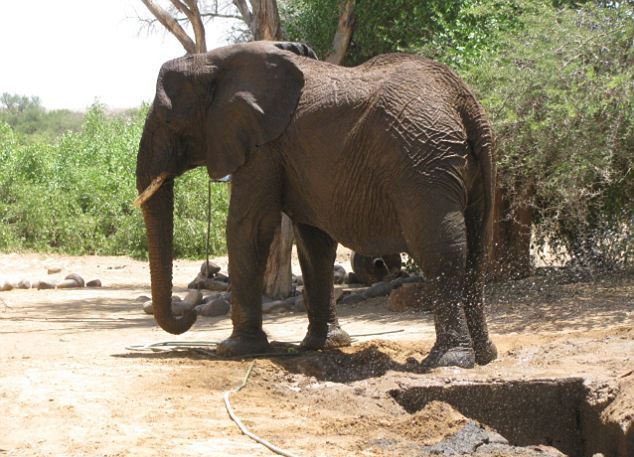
column 69, row 386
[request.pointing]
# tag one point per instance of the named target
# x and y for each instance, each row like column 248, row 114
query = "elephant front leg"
column 317, row 252
column 248, row 242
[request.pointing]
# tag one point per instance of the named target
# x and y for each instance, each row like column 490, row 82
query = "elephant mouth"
column 150, row 190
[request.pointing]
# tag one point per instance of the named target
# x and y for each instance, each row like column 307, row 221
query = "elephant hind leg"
column 485, row 350
column 317, row 252
column 438, row 245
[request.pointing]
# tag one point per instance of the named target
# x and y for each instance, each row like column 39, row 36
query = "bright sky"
column 73, row 52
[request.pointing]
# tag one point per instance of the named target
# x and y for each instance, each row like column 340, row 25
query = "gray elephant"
column 395, row 155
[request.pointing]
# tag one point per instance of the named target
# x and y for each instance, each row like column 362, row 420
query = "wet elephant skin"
column 395, row 155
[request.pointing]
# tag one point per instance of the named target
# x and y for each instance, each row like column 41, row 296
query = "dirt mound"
column 432, row 424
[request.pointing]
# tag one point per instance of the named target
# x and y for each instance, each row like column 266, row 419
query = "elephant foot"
column 243, row 345
column 462, row 357
column 335, row 337
column 485, row 352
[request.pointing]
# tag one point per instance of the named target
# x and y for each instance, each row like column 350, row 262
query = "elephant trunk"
column 159, row 223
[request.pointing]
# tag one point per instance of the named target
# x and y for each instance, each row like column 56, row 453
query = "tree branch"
column 153, row 20
column 222, row 16
column 243, row 8
column 171, row 25
column 193, row 14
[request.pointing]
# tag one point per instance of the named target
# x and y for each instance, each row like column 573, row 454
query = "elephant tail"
column 482, row 141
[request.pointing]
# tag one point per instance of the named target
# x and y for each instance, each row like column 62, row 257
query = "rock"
column 208, row 270
column 409, row 296
column 221, row 277
column 71, row 281
column 180, row 307
column 351, row 278
column 212, row 284
column 410, row 279
column 94, row 283
column 210, row 297
column 225, row 296
column 213, row 296
column 298, row 305
column 465, row 442
column 197, row 282
column 378, row 289
column 202, row 282
column 142, row 298
column 53, row 270
column 193, row 298
column 299, row 280
column 147, row 307
column 217, row 307
column 275, row 306
column 339, row 274
column 401, row 299
column 352, row 299
column 44, row 285
column 395, row 283
column 22, row 284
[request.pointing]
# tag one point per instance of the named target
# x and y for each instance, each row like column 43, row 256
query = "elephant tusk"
column 151, row 189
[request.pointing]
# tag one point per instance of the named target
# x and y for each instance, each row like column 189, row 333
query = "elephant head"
column 210, row 109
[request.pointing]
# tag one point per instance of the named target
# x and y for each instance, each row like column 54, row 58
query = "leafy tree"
column 560, row 93
column 27, row 116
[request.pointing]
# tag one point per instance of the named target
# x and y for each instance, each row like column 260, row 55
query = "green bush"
column 27, row 116
column 73, row 195
column 560, row 93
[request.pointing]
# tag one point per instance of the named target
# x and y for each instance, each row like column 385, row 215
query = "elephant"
column 393, row 155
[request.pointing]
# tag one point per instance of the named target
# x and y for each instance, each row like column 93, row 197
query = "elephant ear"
column 183, row 89
column 255, row 95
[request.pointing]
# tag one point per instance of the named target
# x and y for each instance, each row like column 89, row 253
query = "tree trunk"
column 343, row 35
column 510, row 257
column 265, row 25
column 278, row 275
column 265, row 20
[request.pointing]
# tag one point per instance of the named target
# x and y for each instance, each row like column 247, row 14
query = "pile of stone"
column 72, row 280
column 387, row 286
column 209, row 293
column 210, row 278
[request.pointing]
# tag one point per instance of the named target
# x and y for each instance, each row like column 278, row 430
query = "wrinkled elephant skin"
column 395, row 155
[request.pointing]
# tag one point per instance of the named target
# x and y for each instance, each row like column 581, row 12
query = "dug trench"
column 563, row 382
column 445, row 415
